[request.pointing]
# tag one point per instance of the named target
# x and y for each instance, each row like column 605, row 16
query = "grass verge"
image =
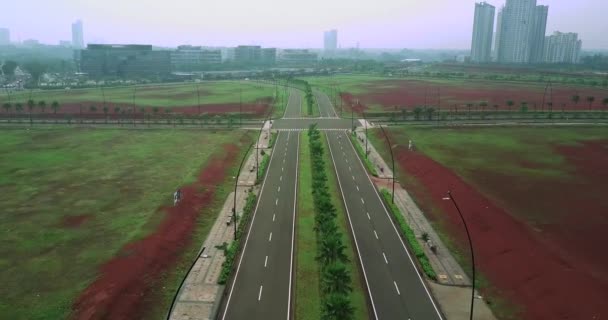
column 307, row 295
column 230, row 251
column 409, row 236
column 368, row 164
column 263, row 167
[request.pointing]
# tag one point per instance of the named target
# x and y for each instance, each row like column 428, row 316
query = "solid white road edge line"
column 238, row 268
column 352, row 229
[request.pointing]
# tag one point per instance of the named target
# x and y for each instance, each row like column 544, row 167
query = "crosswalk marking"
column 306, row 129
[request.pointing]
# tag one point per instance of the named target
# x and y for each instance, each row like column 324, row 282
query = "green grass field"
column 117, row 179
column 159, row 95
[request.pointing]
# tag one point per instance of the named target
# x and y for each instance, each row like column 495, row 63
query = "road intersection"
column 263, row 284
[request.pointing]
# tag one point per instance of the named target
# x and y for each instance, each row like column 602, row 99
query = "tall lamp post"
column 390, row 148
column 236, row 183
column 451, row 197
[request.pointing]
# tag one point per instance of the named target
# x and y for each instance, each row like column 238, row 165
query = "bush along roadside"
column 230, row 251
column 368, row 164
column 414, row 245
column 273, row 139
column 263, row 167
column 335, row 285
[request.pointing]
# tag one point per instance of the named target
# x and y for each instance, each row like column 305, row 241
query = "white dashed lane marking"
column 270, row 237
column 266, row 262
column 385, row 260
column 376, row 234
column 397, row 288
column 260, row 293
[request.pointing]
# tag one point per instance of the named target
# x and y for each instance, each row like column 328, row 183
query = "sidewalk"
column 452, row 289
column 200, row 295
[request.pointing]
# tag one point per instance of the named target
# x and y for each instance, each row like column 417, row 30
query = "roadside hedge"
column 263, row 167
column 230, row 252
column 409, row 236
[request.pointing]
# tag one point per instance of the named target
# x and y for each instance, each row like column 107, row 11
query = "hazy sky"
column 283, row 23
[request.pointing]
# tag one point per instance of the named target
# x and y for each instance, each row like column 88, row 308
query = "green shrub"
column 263, row 167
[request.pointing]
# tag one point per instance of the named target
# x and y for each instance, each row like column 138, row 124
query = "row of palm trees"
column 309, row 97
column 31, row 105
column 335, row 284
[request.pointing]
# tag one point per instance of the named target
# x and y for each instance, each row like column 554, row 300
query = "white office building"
column 330, row 41
column 562, row 48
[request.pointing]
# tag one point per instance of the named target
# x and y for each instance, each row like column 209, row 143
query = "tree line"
column 335, row 285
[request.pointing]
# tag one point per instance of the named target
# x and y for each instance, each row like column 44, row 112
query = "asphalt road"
column 263, row 283
column 304, row 123
column 396, row 289
column 325, row 108
column 293, row 104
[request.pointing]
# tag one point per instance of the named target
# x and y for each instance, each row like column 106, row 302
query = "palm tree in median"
column 337, row 307
column 336, row 278
column 332, row 249
column 55, row 106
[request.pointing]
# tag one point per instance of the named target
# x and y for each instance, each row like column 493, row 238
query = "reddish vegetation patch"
column 410, row 93
column 352, row 102
column 560, row 273
column 74, row 221
column 125, row 282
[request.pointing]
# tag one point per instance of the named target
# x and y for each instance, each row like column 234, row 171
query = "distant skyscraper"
column 562, row 48
column 77, row 35
column 522, row 24
column 483, row 28
column 5, row 37
column 497, row 37
column 330, row 41
column 537, row 34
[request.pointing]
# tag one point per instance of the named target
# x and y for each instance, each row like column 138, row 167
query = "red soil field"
column 123, row 288
column 560, row 272
column 412, row 93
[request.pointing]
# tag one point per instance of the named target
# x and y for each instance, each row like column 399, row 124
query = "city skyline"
column 447, row 24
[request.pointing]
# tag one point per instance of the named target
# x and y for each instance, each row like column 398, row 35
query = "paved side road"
column 262, row 286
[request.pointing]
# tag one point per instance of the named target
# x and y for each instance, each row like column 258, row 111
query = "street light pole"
column 390, row 148
column 451, row 197
column 236, row 182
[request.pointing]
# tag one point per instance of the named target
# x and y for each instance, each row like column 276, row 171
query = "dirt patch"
column 399, row 94
column 75, row 221
column 124, row 284
column 550, row 270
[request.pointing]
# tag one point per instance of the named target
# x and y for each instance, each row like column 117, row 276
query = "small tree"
column 30, row 107
column 575, row 98
column 93, row 110
column 605, row 103
column 469, row 107
column 510, row 103
column 42, row 105
column 55, row 106
column 105, row 113
column 19, row 108
column 590, row 99
column 429, row 113
column 7, row 107
column 417, row 113
column 523, row 107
